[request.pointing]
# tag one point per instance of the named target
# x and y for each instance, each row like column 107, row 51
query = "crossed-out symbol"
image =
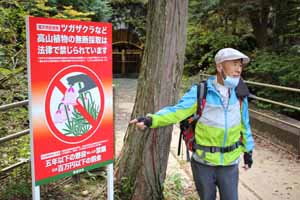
column 57, row 84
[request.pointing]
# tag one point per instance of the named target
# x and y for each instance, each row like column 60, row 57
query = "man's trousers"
column 207, row 178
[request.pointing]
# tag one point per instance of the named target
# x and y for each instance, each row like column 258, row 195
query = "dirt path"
column 275, row 175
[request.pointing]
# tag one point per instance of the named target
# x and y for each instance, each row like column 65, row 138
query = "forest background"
column 268, row 31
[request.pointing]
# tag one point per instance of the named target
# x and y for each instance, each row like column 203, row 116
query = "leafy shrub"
column 202, row 45
column 173, row 187
column 18, row 190
column 278, row 69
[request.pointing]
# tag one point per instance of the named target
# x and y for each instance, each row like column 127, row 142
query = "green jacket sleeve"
column 185, row 107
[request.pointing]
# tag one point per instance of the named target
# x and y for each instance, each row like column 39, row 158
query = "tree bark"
column 259, row 20
column 282, row 13
column 141, row 166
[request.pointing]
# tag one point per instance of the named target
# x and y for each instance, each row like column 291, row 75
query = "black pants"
column 207, row 178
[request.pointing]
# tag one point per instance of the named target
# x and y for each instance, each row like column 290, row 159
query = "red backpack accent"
column 187, row 126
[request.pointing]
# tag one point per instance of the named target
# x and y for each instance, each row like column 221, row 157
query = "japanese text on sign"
column 67, row 162
column 69, row 40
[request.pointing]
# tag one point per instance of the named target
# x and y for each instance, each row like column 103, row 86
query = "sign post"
column 110, row 181
column 70, row 98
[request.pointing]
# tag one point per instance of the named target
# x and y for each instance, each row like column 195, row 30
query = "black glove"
column 248, row 159
column 147, row 120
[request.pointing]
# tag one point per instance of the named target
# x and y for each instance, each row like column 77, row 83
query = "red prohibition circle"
column 56, row 83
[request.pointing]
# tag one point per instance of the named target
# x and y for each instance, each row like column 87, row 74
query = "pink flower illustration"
column 70, row 97
column 60, row 116
column 69, row 112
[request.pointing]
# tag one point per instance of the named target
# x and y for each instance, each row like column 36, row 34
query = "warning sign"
column 70, row 76
column 74, row 104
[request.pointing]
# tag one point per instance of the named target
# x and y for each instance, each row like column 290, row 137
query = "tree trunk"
column 141, row 166
column 282, row 13
column 259, row 21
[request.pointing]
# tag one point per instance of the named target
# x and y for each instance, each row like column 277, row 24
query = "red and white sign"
column 70, row 78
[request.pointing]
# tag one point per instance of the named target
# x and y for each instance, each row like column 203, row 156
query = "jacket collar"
column 211, row 87
column 241, row 90
column 210, row 82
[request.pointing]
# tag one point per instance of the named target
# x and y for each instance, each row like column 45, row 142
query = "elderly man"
column 222, row 133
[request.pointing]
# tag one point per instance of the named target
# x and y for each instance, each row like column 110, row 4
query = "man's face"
column 231, row 68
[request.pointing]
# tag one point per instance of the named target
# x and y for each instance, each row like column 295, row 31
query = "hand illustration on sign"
column 69, row 120
column 88, row 83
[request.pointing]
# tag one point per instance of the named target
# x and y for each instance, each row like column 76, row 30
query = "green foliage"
column 12, row 38
column 38, row 8
column 17, row 184
column 202, row 45
column 69, row 13
column 285, row 24
column 272, row 23
column 17, row 190
column 11, row 122
column 275, row 68
column 279, row 69
column 13, row 85
column 130, row 14
column 9, row 77
column 173, row 187
column 95, row 10
column 216, row 24
column 101, row 9
column 124, row 189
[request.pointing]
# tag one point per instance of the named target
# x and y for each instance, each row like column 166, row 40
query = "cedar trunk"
column 259, row 21
column 141, row 167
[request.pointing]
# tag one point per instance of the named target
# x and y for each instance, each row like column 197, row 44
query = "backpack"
column 188, row 125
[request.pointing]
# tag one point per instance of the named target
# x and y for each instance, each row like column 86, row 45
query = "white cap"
column 230, row 54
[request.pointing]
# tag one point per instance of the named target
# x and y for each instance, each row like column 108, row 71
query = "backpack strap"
column 241, row 89
column 214, row 149
column 201, row 96
column 241, row 92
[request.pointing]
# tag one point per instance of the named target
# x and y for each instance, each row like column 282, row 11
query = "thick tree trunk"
column 259, row 20
column 141, row 166
column 283, row 12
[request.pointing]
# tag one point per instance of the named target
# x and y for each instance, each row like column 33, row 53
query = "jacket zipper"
column 225, row 136
column 226, row 128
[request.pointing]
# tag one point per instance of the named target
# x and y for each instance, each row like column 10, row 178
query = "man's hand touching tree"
column 142, row 122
